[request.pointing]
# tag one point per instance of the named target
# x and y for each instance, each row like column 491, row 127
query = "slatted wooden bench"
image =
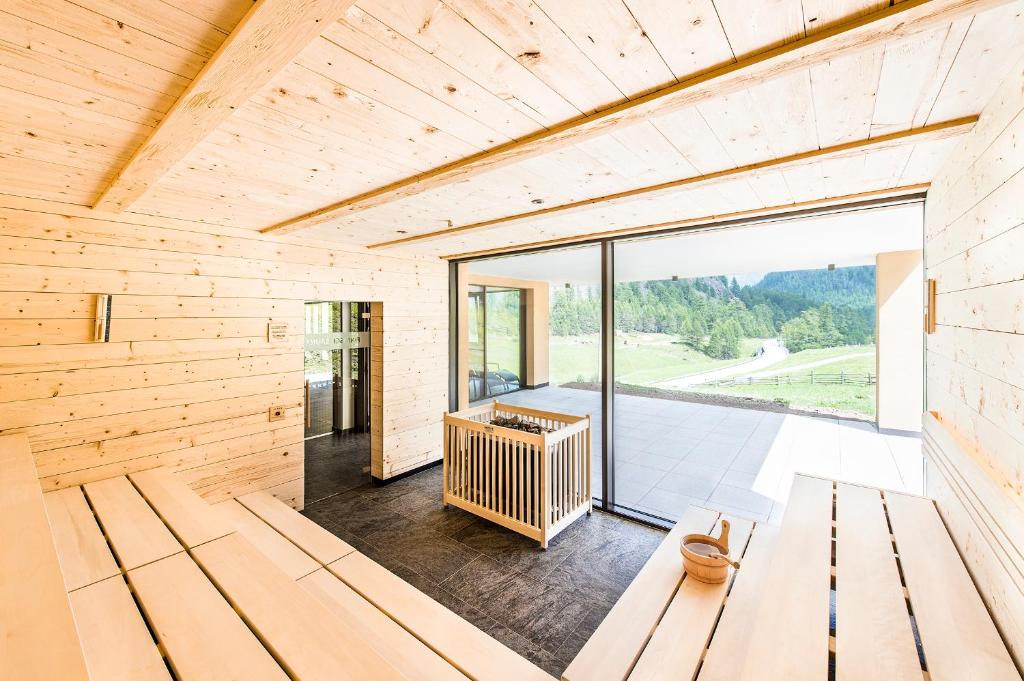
column 159, row 582
column 37, row 629
column 884, row 559
column 470, row 650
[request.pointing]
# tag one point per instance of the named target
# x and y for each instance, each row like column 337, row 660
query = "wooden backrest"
column 38, row 639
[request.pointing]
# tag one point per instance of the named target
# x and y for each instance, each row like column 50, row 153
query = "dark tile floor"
column 335, row 463
column 542, row 604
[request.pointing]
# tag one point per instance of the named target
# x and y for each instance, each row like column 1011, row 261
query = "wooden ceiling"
column 488, row 123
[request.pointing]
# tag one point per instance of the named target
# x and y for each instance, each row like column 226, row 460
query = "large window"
column 714, row 363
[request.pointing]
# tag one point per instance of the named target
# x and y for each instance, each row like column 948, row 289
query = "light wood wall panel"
column 974, row 223
column 973, row 234
column 188, row 376
column 401, row 88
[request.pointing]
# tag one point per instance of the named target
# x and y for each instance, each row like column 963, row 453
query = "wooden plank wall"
column 974, row 248
column 189, row 375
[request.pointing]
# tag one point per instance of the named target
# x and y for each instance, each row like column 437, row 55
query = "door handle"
column 309, row 411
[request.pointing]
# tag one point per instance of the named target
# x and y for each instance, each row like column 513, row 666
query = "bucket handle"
column 723, row 538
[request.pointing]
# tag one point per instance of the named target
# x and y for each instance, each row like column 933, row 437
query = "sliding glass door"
column 495, row 341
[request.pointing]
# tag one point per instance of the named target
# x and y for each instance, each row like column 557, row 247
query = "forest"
column 806, row 309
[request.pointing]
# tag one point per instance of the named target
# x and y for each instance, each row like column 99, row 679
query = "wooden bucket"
column 706, row 558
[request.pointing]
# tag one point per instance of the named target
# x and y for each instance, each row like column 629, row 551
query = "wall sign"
column 277, row 332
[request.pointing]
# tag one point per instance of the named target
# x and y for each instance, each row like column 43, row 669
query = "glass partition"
column 336, row 360
column 720, row 361
column 503, row 340
column 495, row 341
column 475, row 335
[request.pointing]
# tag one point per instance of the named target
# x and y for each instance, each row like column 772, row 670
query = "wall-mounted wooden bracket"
column 101, row 331
column 929, row 313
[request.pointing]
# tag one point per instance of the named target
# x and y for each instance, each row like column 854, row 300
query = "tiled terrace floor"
column 670, row 454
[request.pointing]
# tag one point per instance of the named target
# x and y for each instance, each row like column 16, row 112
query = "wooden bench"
column 159, row 582
column 887, row 561
column 37, row 630
column 470, row 650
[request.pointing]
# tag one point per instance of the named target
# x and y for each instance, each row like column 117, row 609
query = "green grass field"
column 640, row 359
column 647, row 359
column 856, row 399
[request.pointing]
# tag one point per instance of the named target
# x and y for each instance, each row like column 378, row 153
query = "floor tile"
column 668, row 504
column 692, row 480
column 738, row 497
column 638, row 473
column 430, row 553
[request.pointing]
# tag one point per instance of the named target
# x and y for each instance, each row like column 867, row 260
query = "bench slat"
column 959, row 638
column 295, row 562
column 788, row 624
column 84, row 555
column 202, row 636
column 37, row 631
column 135, row 532
column 414, row 660
column 303, row 532
column 677, row 647
column 874, row 639
column 472, row 651
column 307, row 640
column 115, row 640
column 614, row 648
column 188, row 516
column 733, row 633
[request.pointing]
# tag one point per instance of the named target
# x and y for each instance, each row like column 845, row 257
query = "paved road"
column 773, row 351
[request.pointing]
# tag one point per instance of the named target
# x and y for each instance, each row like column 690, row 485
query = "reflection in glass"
column 336, row 360
column 495, row 341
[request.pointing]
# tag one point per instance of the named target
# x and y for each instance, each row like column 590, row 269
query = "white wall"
column 900, row 343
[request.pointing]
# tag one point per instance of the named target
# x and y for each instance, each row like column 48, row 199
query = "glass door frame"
column 607, row 244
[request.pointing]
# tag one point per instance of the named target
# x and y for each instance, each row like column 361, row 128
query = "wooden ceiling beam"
column 702, row 221
column 859, row 34
column 266, row 40
column 928, row 133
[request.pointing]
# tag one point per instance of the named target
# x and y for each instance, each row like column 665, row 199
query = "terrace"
column 673, row 454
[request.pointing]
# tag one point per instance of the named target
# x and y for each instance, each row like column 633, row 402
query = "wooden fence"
column 812, row 378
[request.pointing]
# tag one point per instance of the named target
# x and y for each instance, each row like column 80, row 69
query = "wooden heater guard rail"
column 532, row 484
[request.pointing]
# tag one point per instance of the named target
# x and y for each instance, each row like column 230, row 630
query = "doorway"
column 336, row 360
